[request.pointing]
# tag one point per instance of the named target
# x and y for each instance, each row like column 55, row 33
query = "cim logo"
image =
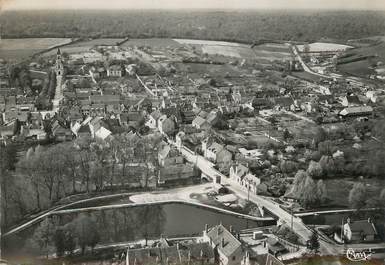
column 354, row 255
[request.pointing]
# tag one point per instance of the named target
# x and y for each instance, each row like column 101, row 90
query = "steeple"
column 59, row 63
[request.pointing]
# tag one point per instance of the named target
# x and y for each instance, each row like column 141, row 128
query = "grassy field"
column 323, row 46
column 152, row 42
column 14, row 49
column 307, row 76
column 94, row 42
column 84, row 46
column 361, row 68
column 213, row 70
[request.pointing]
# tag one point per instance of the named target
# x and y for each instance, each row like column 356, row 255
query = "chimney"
column 369, row 220
column 231, row 229
column 206, row 228
column 223, row 243
column 177, row 246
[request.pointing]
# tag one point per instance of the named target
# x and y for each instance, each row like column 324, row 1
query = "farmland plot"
column 13, row 49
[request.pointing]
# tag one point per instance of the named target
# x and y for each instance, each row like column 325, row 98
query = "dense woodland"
column 247, row 26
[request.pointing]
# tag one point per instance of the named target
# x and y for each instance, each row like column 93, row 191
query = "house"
column 61, row 133
column 213, row 118
column 115, row 70
column 359, row 231
column 33, row 131
column 84, row 132
column 153, row 119
column 176, row 174
column 242, row 175
column 350, row 101
column 168, row 155
column 228, row 249
column 217, row 153
column 99, row 128
column 375, row 96
column 356, row 111
column 200, row 123
column 131, row 119
column 275, row 247
column 282, row 102
column 179, row 138
column 171, row 253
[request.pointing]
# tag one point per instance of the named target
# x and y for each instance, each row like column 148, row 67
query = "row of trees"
column 63, row 234
column 310, row 193
column 45, row 175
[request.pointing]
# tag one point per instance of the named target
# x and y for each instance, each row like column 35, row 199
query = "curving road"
column 298, row 226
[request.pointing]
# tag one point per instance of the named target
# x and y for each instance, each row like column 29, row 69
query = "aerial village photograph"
column 206, row 132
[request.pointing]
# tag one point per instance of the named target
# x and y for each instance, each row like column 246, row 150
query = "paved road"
column 57, row 208
column 303, row 64
column 298, row 226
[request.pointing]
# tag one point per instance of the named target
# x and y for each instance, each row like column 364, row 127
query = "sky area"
column 193, row 4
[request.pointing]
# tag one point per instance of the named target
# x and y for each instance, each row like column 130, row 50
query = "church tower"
column 59, row 68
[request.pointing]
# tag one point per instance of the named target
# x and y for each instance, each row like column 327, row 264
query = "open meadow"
column 16, row 49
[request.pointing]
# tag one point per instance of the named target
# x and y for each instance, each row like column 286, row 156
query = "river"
column 126, row 224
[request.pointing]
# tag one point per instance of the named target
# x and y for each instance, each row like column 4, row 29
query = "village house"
column 167, row 253
column 356, row 111
column 168, row 155
column 115, row 71
column 153, row 119
column 350, row 101
column 200, row 123
column 99, row 129
column 218, row 154
column 359, row 231
column 61, row 133
column 242, row 175
column 227, row 247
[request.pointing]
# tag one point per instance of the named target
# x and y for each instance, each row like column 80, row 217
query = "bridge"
column 302, row 230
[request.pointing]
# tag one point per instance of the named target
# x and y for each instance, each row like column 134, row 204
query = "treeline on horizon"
column 241, row 26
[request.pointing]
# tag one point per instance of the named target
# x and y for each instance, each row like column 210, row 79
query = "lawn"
column 14, row 49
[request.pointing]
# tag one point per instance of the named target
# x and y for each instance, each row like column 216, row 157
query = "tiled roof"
column 199, row 121
column 219, row 233
column 180, row 254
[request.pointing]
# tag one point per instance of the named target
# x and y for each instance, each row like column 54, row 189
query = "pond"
column 126, row 224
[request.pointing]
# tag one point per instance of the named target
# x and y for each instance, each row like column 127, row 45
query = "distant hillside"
column 243, row 26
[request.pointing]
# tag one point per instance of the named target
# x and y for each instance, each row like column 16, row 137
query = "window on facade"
column 233, row 257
